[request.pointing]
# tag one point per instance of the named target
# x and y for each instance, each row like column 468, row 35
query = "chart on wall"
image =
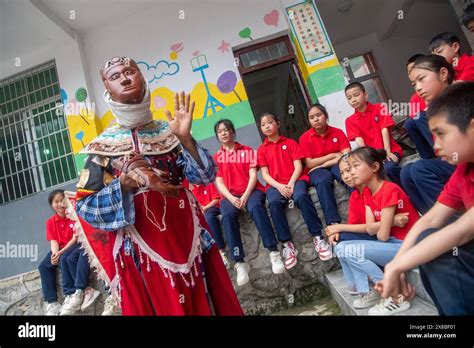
column 310, row 32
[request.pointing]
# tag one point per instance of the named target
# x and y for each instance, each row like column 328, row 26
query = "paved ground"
column 322, row 307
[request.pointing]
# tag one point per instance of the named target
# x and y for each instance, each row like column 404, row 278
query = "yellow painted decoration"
column 77, row 124
column 173, row 55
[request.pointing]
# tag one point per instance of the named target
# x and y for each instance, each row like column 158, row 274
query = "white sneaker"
column 53, row 308
column 90, row 295
column 388, row 307
column 225, row 259
column 111, row 306
column 367, row 300
column 277, row 264
column 73, row 304
column 323, row 248
column 242, row 273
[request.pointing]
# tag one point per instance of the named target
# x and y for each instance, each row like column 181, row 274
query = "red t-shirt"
column 278, row 157
column 205, row 194
column 233, row 166
column 356, row 214
column 389, row 195
column 464, row 68
column 417, row 104
column 315, row 145
column 458, row 193
column 59, row 229
column 369, row 124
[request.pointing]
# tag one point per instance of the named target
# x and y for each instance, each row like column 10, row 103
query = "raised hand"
column 181, row 121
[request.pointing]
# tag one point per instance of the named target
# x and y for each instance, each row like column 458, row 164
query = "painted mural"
column 222, row 96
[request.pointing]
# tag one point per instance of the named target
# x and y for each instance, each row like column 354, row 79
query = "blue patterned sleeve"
column 191, row 169
column 107, row 209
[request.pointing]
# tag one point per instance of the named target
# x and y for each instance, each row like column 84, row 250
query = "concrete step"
column 344, row 299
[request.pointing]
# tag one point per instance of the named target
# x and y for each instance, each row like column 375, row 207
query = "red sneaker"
column 323, row 248
column 290, row 253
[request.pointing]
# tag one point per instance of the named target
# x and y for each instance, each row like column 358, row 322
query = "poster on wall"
column 310, row 32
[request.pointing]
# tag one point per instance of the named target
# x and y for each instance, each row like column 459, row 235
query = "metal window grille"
column 36, row 152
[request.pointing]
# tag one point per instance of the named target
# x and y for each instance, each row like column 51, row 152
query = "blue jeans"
column 424, row 180
column 74, row 269
column 212, row 218
column 393, row 169
column 323, row 180
column 419, row 132
column 449, row 279
column 360, row 260
column 303, row 201
column 230, row 221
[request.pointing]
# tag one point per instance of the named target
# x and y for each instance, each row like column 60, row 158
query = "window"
column 364, row 70
column 264, row 54
column 36, row 153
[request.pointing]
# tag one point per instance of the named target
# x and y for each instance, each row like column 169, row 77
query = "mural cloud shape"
column 156, row 71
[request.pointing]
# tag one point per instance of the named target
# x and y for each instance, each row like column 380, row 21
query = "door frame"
column 290, row 57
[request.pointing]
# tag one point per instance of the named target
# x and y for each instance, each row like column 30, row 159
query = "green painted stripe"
column 239, row 113
column 80, row 160
column 327, row 81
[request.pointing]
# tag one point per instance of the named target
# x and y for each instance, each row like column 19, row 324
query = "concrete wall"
column 423, row 20
column 23, row 223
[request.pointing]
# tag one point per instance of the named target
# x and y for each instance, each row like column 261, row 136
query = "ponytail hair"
column 370, row 156
column 435, row 63
column 53, row 194
column 344, row 158
column 227, row 123
column 273, row 116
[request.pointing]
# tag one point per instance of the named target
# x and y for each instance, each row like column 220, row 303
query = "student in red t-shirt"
column 355, row 228
column 208, row 198
column 65, row 252
column 443, row 249
column 416, row 103
column 417, row 126
column 280, row 161
column 448, row 46
column 322, row 147
column 423, row 180
column 237, row 182
column 383, row 200
column 370, row 125
column 468, row 18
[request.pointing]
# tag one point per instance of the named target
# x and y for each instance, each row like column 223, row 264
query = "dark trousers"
column 303, row 201
column 212, row 218
column 323, row 180
column 230, row 221
column 424, row 180
column 419, row 132
column 393, row 169
column 74, row 270
column 449, row 279
column 345, row 236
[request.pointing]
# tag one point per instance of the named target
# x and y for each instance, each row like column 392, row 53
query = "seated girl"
column 237, row 182
column 322, row 147
column 282, row 169
column 361, row 259
column 356, row 228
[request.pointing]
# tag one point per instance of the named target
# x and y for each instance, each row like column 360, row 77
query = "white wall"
column 148, row 36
